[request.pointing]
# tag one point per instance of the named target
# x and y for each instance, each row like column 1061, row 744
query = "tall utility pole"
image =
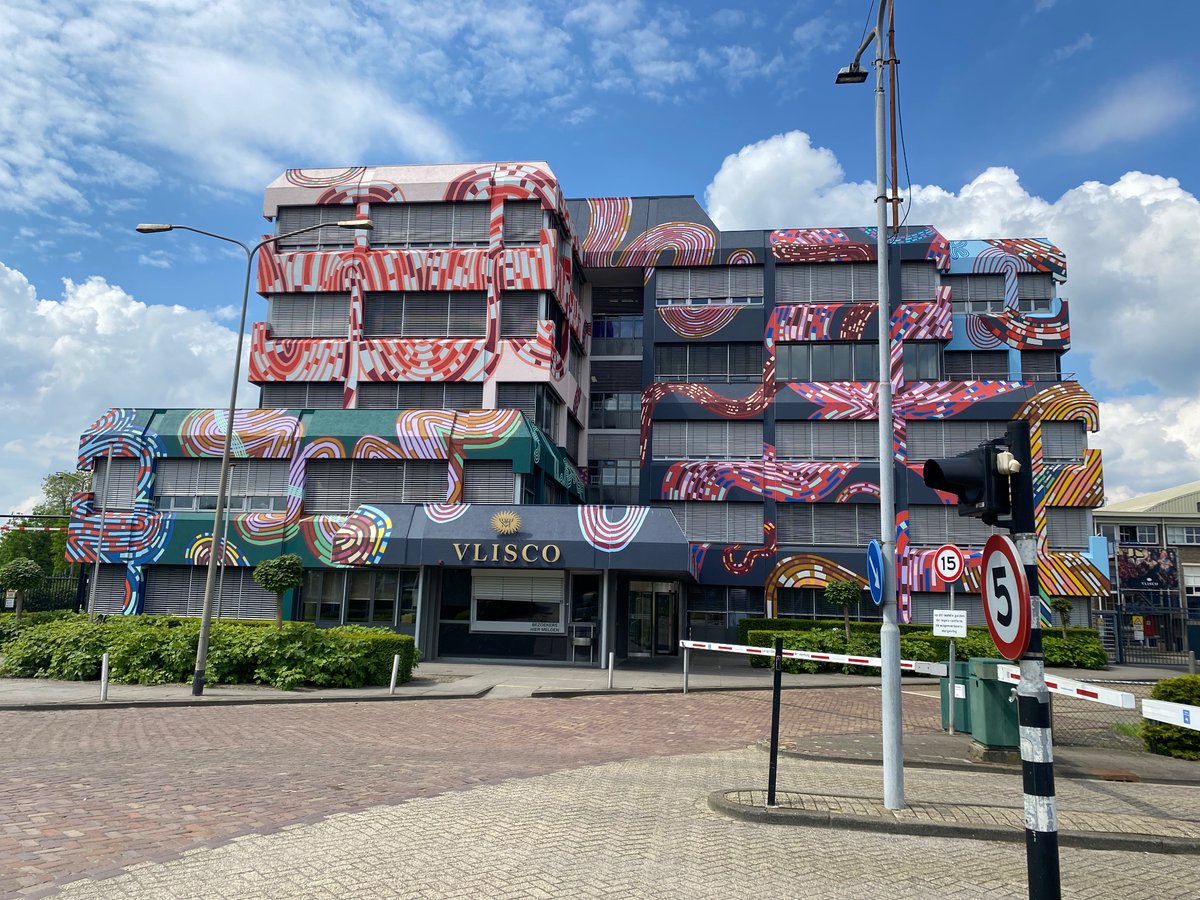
column 892, row 62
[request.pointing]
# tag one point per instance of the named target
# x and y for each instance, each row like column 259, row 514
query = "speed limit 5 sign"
column 1006, row 596
column 948, row 562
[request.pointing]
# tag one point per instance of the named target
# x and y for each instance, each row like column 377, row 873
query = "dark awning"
column 633, row 538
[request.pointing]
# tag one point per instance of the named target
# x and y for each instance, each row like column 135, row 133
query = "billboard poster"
column 1148, row 569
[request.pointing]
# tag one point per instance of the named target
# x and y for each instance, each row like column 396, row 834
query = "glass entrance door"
column 653, row 618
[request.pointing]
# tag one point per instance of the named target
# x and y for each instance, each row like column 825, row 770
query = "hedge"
column 9, row 627
column 1174, row 740
column 162, row 650
column 1080, row 649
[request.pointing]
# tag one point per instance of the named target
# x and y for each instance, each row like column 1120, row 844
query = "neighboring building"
column 1152, row 613
column 488, row 342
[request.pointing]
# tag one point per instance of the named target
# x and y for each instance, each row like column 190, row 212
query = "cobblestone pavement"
column 637, row 828
column 595, row 796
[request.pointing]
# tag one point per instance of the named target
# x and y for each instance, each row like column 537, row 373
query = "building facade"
column 692, row 410
column 1152, row 612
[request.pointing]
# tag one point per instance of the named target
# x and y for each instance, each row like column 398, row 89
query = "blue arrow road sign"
column 875, row 571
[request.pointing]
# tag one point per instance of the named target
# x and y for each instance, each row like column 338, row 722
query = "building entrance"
column 653, row 618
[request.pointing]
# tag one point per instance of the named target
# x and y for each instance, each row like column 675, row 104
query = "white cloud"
column 605, row 17
column 1133, row 110
column 1066, row 52
column 1131, row 255
column 824, row 33
column 64, row 362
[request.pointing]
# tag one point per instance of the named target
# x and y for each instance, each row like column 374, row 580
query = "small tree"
column 1062, row 606
column 20, row 575
column 279, row 575
column 845, row 594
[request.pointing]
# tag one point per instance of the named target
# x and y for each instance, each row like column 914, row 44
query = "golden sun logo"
column 506, row 522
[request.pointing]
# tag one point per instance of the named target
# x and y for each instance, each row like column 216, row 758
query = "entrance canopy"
column 632, row 538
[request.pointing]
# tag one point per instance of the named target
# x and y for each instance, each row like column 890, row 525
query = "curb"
column 1061, row 769
column 1086, row 840
column 232, row 701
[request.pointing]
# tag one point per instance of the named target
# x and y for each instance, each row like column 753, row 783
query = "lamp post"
column 223, row 479
column 224, row 544
column 889, row 633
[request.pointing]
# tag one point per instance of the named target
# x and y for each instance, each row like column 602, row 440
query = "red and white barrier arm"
column 1071, row 688
column 906, row 665
column 1180, row 714
column 34, row 528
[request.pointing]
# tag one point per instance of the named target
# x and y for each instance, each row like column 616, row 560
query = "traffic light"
column 980, row 478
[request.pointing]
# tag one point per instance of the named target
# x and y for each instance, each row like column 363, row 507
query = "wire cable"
column 903, row 150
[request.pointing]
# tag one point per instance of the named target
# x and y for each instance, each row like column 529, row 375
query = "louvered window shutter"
column 791, row 283
column 1063, row 442
column 467, row 314
column 115, row 489
column 331, row 315
column 284, row 395
column 430, row 224
column 324, row 395
column 835, row 524
column 793, row 440
column 795, row 523
column 518, row 396
column 865, row 278
column 918, row 281
column 377, row 395
column 746, row 281
column 425, row 481
column 1067, row 527
column 671, row 362
column 383, row 315
column 426, row 315
column 391, row 225
column 1035, row 286
column 671, row 284
column 174, row 476
column 377, row 481
column 471, row 223
column 745, row 440
column 464, row 395
column 617, row 446
column 669, row 440
column 522, row 222
column 710, row 283
column 488, row 481
column 327, row 486
column 830, row 283
column 170, row 590
column 744, row 522
column 290, row 315
column 519, row 314
column 419, row 395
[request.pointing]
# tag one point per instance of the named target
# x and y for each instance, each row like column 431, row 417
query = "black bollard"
column 778, row 689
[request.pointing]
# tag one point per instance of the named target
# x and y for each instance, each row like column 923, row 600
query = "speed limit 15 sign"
column 1006, row 596
column 948, row 562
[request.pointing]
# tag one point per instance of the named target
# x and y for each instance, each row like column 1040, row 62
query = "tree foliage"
column 279, row 575
column 46, row 548
column 20, row 575
column 845, row 594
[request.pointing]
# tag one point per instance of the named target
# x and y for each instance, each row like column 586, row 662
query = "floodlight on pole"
column 223, row 480
column 889, row 632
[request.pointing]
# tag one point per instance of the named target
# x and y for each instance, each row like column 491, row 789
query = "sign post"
column 949, row 562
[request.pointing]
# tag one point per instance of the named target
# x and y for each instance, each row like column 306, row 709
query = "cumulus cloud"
column 1131, row 254
column 64, row 362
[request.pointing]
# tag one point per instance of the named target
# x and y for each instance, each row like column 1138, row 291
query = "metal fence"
column 1085, row 723
column 55, row 592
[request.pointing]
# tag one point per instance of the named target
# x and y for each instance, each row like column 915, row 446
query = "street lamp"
column 210, row 578
column 889, row 633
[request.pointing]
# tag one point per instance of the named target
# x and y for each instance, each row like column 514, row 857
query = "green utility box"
column 993, row 716
column 962, row 705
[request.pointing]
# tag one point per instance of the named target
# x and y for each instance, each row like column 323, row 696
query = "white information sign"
column 950, row 623
column 960, row 691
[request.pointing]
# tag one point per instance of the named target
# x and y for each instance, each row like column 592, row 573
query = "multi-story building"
column 1152, row 612
column 435, row 390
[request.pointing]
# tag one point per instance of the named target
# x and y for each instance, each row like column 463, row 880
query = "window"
column 1035, row 290
column 574, row 429
column 973, row 365
column 922, row 361
column 420, row 395
column 381, row 597
column 322, row 595
column 1139, row 534
column 617, row 375
column 609, row 445
column 539, row 404
column 616, row 410
column 613, row 481
column 936, row 438
column 1183, row 534
column 1041, row 365
column 826, row 283
column 810, row 603
column 522, row 222
column 617, row 335
column 931, row 525
column 825, row 440
column 418, row 225
column 714, row 610
column 709, row 285
column 330, row 237
column 519, row 314
column 303, row 395
column 309, row 315
column 179, row 591
column 1068, row 527
column 708, row 440
column 575, row 360
column 827, row 361
column 115, row 491
column 722, row 523
column 255, row 485
column 338, row 486
column 976, row 293
column 918, row 281
column 524, row 604
column 434, row 315
column 1191, row 591
column 708, row 362
column 827, row 524
column 613, row 299
column 488, row 481
column 1063, row 442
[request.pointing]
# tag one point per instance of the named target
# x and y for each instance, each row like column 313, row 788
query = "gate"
column 1151, row 635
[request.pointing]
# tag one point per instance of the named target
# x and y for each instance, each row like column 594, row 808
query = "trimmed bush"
column 10, row 626
column 1174, row 740
column 162, row 650
column 1080, row 649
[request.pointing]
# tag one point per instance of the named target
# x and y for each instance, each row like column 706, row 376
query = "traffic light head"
column 979, row 478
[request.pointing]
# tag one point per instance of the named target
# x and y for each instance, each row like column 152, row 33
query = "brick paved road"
column 85, row 793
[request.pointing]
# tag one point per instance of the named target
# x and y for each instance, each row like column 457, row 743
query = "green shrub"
column 10, row 626
column 162, row 650
column 1080, row 649
column 1174, row 740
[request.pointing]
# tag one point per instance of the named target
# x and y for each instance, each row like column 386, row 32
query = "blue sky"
column 1072, row 120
